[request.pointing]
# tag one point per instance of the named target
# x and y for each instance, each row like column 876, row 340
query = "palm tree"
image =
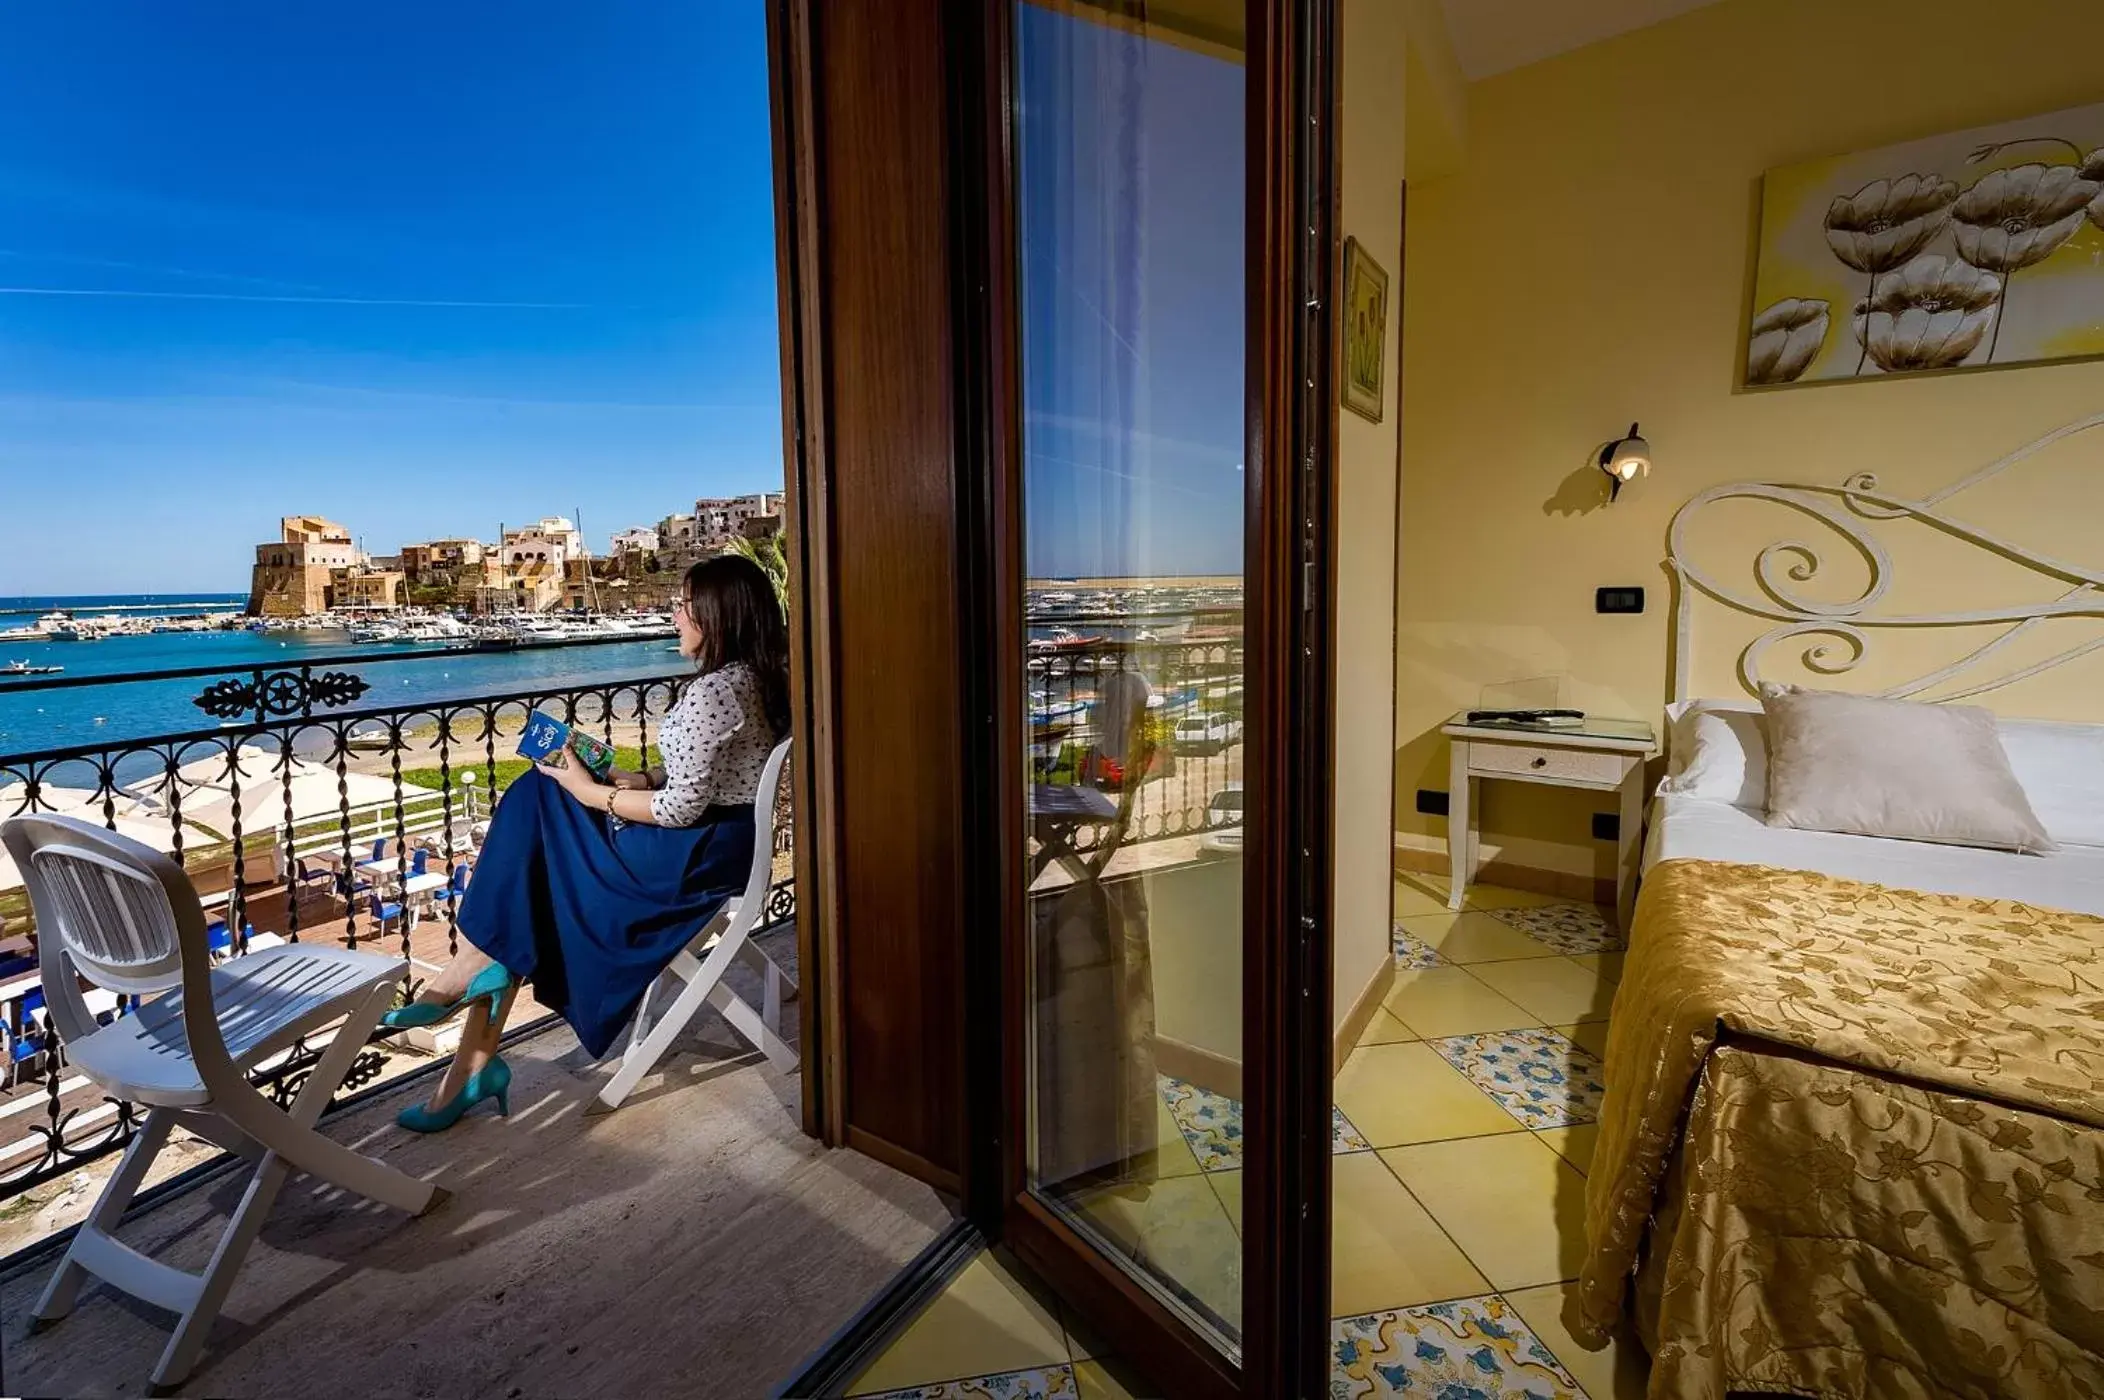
column 767, row 552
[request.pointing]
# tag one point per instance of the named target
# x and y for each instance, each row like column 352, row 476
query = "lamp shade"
column 1624, row 460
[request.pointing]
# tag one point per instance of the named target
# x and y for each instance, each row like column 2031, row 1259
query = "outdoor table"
column 425, row 884
column 1058, row 812
column 386, row 865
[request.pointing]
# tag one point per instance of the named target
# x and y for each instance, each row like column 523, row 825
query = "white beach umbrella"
column 69, row 801
column 132, row 819
column 314, row 794
column 210, row 770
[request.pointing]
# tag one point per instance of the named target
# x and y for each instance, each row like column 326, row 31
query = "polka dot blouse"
column 714, row 743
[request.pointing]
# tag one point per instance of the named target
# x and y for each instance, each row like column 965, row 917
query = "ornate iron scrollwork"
column 286, row 1082
column 780, row 907
column 1842, row 630
column 280, row 693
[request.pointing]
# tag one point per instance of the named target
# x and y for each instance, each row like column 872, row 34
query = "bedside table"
column 1603, row 755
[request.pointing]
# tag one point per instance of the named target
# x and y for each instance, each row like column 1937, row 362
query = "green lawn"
column 508, row 770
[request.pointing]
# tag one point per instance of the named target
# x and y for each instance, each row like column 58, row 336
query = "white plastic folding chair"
column 127, row 919
column 698, row 971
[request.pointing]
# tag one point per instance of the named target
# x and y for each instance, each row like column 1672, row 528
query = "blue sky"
column 1131, row 214
column 419, row 267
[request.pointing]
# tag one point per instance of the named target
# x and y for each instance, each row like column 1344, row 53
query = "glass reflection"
column 1130, row 179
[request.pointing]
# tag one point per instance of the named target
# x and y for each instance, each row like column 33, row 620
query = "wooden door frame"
column 1289, row 441
column 806, row 513
column 870, row 384
column 1290, row 435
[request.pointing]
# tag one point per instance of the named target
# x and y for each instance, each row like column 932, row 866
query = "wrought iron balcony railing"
column 1178, row 759
column 274, row 810
column 302, row 815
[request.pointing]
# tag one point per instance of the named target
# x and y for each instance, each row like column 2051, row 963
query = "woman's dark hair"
column 732, row 602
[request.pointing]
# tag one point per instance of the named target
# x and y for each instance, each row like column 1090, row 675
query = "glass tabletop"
column 1627, row 731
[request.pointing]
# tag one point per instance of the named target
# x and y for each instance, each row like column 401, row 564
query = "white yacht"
column 440, row 629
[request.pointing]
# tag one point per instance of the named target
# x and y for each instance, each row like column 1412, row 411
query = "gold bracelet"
column 611, row 793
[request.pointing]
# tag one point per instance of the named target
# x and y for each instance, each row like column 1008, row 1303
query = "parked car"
column 1207, row 733
column 1223, row 823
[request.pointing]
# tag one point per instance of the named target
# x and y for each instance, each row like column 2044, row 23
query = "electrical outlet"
column 1607, row 826
column 1430, row 803
column 1618, row 600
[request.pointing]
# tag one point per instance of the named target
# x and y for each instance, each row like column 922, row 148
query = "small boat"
column 23, row 668
column 1062, row 639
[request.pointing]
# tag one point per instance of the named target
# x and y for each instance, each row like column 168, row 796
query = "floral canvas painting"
column 1979, row 249
column 1365, row 330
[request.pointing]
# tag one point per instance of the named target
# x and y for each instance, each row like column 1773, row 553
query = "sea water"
column 130, row 710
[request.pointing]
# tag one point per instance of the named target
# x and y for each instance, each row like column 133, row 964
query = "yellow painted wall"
column 1373, row 44
column 1194, row 934
column 1589, row 265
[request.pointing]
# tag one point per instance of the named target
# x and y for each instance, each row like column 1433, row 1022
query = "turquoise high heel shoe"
column 492, row 982
column 492, row 1081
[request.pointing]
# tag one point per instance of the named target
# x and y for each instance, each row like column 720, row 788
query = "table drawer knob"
column 1541, row 763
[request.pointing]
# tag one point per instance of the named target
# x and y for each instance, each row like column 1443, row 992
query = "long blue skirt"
column 591, row 911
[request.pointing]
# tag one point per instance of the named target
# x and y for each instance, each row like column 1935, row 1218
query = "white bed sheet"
column 1696, row 828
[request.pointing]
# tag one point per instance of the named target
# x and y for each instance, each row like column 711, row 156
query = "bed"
column 1853, row 1137
column 1695, row 828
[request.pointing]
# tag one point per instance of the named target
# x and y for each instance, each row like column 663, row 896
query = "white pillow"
column 1870, row 766
column 2061, row 767
column 1717, row 749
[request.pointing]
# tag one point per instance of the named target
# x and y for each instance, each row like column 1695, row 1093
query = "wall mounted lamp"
column 1624, row 460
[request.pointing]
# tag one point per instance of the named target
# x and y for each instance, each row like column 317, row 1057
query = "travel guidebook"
column 546, row 735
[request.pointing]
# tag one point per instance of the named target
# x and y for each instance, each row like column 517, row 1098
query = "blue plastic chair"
column 456, row 888
column 219, row 942
column 385, row 912
column 419, row 861
column 20, row 1050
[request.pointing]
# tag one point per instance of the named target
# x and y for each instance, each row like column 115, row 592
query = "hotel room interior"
column 1828, row 1117
column 1659, row 643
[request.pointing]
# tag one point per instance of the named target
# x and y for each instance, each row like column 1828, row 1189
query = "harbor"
column 65, row 718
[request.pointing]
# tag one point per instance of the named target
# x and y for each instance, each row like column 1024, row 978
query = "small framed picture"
column 1365, row 331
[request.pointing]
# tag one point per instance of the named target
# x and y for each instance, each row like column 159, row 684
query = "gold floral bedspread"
column 1853, row 1141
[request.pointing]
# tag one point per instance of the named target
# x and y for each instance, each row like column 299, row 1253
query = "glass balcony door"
column 1162, row 631
column 1130, row 173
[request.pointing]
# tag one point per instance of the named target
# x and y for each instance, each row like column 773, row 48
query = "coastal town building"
column 364, row 588
column 443, row 561
column 749, row 517
column 293, row 574
column 551, row 540
column 316, row 564
column 718, row 520
column 677, row 532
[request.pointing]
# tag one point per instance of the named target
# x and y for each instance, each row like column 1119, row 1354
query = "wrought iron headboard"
column 1840, row 633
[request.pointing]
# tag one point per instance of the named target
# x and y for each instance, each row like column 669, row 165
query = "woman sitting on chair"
column 588, row 890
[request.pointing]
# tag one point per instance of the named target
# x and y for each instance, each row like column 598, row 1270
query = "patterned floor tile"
column 1411, row 953
column 1568, row 928
column 1042, row 1383
column 1536, row 1075
column 1473, row 1349
column 1211, row 1123
column 1343, row 1136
